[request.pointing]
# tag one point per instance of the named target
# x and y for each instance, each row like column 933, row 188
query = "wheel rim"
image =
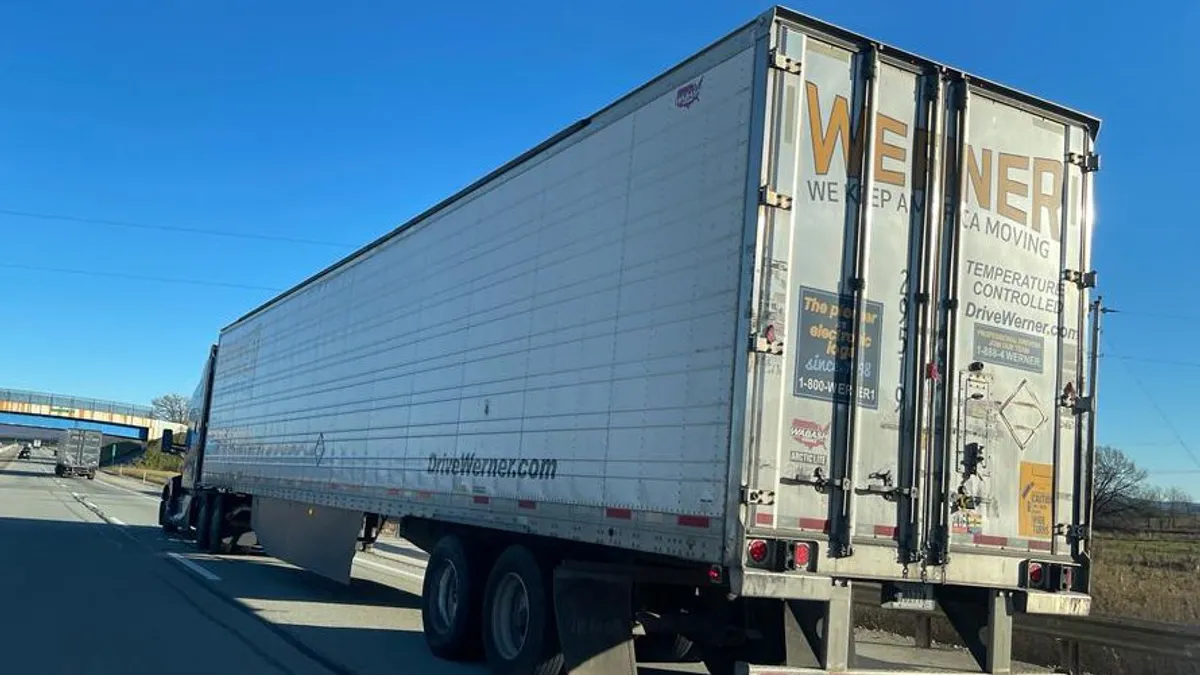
column 445, row 597
column 510, row 616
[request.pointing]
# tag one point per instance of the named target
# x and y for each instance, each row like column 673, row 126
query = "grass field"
column 147, row 475
column 1148, row 576
column 1153, row 576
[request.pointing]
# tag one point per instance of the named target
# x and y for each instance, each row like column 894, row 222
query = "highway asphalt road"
column 90, row 586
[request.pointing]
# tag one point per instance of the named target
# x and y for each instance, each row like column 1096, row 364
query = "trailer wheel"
column 91, row 475
column 202, row 518
column 519, row 633
column 450, row 601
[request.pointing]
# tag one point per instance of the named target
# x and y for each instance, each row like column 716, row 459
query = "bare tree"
column 1179, row 502
column 171, row 407
column 1120, row 485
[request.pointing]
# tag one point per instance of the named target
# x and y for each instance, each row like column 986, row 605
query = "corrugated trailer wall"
column 553, row 352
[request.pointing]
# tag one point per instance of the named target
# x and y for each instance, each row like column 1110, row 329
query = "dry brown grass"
column 1147, row 576
column 154, row 476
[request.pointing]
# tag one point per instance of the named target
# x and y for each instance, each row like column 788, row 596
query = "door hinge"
column 762, row 345
column 1080, row 279
column 784, row 63
column 758, row 497
column 1071, row 532
column 769, row 197
column 1078, row 405
column 1088, row 161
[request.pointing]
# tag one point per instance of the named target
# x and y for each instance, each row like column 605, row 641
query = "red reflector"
column 714, row 574
column 1035, row 573
column 757, row 550
column 769, row 333
column 802, row 555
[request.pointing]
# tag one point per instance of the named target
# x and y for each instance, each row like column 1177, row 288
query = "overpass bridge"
column 139, row 420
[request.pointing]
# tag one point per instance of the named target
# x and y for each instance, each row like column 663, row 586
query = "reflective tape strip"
column 815, row 524
column 761, row 518
column 526, row 504
column 619, row 514
column 885, row 531
column 694, row 521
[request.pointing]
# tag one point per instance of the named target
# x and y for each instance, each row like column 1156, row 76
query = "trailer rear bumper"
column 1061, row 604
column 760, row 584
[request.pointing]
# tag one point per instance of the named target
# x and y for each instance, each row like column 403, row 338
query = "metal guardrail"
column 1156, row 638
column 61, row 401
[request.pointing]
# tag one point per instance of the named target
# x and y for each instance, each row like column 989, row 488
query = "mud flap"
column 318, row 538
column 594, row 614
column 820, row 634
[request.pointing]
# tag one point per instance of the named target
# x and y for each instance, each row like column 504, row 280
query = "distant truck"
column 78, row 453
column 805, row 311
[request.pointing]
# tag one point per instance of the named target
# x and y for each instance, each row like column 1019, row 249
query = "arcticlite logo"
column 809, row 433
column 688, row 94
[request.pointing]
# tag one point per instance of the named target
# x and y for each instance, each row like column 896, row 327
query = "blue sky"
column 333, row 122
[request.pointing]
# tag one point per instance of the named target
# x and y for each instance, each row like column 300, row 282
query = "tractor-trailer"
column 78, row 453
column 803, row 312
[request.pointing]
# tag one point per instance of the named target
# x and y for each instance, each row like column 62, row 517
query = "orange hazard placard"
column 1037, row 489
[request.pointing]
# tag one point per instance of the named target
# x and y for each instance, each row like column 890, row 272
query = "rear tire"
column 451, row 597
column 202, row 524
column 91, row 475
column 216, row 521
column 164, row 511
column 519, row 632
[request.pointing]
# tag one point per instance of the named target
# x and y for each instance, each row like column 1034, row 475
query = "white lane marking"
column 193, row 566
column 389, row 568
column 115, row 521
column 143, row 495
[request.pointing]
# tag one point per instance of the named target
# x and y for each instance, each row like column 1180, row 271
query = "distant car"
column 24, row 453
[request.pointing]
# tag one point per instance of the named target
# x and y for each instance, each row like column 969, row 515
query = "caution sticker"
column 1037, row 491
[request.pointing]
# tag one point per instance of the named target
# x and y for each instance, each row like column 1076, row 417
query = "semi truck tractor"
column 78, row 453
column 804, row 312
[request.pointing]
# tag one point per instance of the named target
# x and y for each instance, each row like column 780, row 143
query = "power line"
column 1162, row 414
column 171, row 228
column 138, row 277
column 1157, row 315
column 1150, row 359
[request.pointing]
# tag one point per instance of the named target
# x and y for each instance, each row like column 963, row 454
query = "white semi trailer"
column 802, row 312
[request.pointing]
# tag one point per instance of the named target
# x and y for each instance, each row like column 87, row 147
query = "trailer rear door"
column 1009, row 464
column 913, row 369
column 841, row 285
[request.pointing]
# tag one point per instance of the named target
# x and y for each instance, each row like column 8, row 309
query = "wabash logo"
column 688, row 94
column 809, row 433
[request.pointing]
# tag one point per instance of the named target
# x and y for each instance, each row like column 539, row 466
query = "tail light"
column 715, row 574
column 1066, row 578
column 758, row 551
column 1036, row 574
column 802, row 554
